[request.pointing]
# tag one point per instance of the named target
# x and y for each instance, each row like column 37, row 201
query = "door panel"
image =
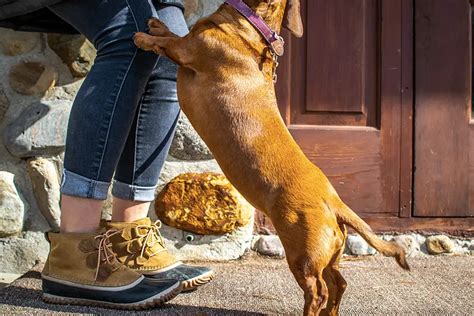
column 342, row 73
column 444, row 137
column 340, row 95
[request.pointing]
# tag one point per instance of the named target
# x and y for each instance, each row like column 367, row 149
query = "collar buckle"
column 278, row 45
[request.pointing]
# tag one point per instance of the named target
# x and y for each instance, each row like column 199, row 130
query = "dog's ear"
column 292, row 19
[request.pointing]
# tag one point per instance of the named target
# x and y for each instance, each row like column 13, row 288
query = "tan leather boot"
column 82, row 269
column 140, row 247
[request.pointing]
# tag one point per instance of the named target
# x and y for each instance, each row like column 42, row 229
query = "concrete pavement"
column 255, row 286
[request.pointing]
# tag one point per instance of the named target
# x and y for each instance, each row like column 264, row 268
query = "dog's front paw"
column 143, row 41
column 157, row 28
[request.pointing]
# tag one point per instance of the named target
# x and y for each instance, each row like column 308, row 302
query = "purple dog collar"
column 274, row 40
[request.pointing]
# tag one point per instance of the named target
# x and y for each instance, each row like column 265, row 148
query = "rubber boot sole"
column 151, row 302
column 194, row 283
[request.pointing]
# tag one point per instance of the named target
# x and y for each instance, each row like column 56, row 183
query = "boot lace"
column 105, row 253
column 151, row 237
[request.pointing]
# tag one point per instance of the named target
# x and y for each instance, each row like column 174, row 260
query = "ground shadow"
column 22, row 296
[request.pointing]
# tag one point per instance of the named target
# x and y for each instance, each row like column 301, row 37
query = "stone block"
column 17, row 43
column 203, row 203
column 32, row 78
column 409, row 243
column 39, row 130
column 190, row 246
column 356, row 245
column 187, row 145
column 45, row 181
column 439, row 244
column 75, row 51
column 11, row 206
column 19, row 254
column 269, row 245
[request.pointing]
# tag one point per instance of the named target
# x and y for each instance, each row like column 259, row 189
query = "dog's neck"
column 271, row 11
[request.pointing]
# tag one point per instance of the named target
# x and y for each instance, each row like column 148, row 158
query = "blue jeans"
column 124, row 115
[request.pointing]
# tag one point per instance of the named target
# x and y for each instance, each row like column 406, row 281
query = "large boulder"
column 39, row 130
column 203, row 203
column 11, row 206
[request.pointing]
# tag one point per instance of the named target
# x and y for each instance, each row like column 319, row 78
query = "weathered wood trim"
column 406, row 140
column 455, row 226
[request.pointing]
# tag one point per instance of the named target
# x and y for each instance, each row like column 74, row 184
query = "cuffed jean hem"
column 77, row 185
column 133, row 192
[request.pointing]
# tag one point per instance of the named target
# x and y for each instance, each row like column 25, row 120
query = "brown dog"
column 225, row 88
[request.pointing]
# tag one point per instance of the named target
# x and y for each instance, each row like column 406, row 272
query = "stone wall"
column 41, row 75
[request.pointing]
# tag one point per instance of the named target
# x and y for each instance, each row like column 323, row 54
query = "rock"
column 30, row 77
column 269, row 245
column 4, row 104
column 39, row 130
column 356, row 245
column 45, row 181
column 19, row 254
column 187, row 145
column 203, row 203
column 75, row 51
column 11, row 206
column 189, row 246
column 439, row 244
column 420, row 239
column 461, row 246
column 409, row 243
column 196, row 9
column 17, row 43
column 173, row 168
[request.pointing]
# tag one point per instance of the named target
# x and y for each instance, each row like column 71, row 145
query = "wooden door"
column 341, row 95
column 444, row 130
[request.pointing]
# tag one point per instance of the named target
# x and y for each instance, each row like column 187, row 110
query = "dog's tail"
column 387, row 248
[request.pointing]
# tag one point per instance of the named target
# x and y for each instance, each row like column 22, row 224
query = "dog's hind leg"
column 334, row 279
column 308, row 262
column 313, row 285
column 161, row 40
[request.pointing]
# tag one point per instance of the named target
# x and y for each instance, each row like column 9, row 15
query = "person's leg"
column 81, row 268
column 79, row 215
column 103, row 110
column 152, row 132
column 139, row 168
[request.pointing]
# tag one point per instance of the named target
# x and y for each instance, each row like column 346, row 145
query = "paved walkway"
column 256, row 286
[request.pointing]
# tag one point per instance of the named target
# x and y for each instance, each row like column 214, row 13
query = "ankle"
column 80, row 215
column 129, row 211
